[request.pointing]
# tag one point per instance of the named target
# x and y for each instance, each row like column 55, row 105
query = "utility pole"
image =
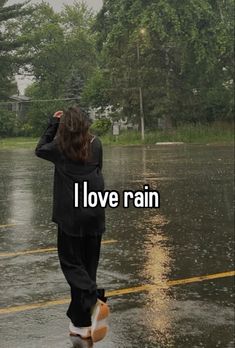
column 140, row 95
column 167, row 119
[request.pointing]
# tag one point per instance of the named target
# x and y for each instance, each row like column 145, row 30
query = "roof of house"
column 19, row 98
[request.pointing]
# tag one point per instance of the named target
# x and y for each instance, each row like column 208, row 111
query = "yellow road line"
column 111, row 241
column 169, row 283
column 28, row 252
column 9, row 225
column 46, row 250
column 136, row 289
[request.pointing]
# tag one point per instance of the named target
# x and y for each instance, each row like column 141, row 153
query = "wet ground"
column 191, row 235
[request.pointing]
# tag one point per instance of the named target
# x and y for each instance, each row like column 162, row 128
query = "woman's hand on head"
column 58, row 114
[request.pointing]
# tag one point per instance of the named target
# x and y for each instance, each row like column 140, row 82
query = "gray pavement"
column 191, row 235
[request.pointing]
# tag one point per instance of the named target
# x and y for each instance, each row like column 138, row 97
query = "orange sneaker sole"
column 100, row 329
column 104, row 312
column 99, row 334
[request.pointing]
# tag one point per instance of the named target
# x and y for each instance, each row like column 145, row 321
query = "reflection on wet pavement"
column 190, row 235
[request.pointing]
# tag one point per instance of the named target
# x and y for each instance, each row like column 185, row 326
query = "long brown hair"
column 74, row 138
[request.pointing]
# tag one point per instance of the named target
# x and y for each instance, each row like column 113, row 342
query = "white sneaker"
column 99, row 327
column 78, row 342
column 83, row 332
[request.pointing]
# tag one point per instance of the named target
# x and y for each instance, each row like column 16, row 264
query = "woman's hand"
column 58, row 114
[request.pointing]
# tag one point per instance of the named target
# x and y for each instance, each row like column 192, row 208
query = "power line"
column 37, row 101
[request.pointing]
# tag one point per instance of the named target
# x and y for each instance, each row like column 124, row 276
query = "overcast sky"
column 57, row 4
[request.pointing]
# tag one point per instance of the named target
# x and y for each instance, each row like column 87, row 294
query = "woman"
column 77, row 156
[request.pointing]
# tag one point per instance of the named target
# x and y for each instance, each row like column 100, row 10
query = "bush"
column 7, row 123
column 101, row 126
column 25, row 129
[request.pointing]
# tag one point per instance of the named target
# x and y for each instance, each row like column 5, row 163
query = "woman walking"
column 77, row 156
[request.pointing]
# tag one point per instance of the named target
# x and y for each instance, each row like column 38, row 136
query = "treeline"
column 179, row 53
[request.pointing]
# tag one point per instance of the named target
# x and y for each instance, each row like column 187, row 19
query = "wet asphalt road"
column 190, row 235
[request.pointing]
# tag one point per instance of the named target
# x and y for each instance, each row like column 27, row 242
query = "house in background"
column 113, row 116
column 19, row 104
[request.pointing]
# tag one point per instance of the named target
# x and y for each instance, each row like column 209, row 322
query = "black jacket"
column 73, row 221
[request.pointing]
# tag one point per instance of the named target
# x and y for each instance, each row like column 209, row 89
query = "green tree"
column 59, row 51
column 185, row 65
column 96, row 90
column 74, row 85
column 39, row 110
column 56, row 50
column 8, row 47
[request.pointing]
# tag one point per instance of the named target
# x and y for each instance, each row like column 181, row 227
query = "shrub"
column 7, row 123
column 101, row 126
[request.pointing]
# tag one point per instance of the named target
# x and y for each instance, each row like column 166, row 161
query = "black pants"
column 79, row 258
